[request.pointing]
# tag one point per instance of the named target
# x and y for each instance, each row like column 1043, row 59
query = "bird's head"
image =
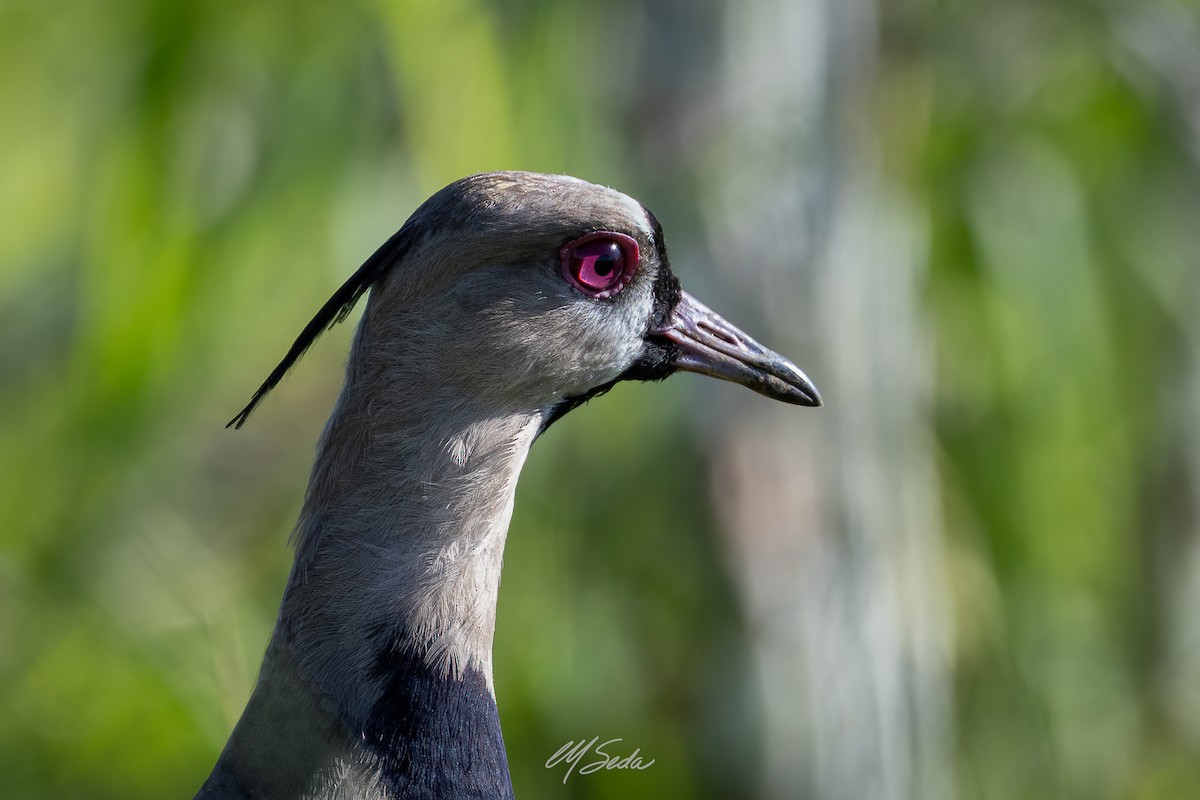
column 537, row 291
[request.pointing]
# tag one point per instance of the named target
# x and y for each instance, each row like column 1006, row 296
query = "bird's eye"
column 601, row 263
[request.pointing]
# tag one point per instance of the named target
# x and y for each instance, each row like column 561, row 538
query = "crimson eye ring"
column 599, row 264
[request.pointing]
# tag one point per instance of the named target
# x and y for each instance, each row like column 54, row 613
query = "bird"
column 505, row 301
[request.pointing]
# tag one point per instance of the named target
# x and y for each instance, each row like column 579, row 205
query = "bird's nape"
column 335, row 310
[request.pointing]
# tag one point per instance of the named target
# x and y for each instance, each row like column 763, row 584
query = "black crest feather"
column 335, row 310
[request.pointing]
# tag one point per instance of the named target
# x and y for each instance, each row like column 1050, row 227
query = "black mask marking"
column 656, row 360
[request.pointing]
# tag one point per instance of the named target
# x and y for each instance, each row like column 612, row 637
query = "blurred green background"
column 975, row 573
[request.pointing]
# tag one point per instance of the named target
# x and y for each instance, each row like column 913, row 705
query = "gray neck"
column 378, row 678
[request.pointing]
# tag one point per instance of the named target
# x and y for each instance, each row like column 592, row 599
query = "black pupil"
column 607, row 259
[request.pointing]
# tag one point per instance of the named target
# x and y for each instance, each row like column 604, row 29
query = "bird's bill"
column 706, row 343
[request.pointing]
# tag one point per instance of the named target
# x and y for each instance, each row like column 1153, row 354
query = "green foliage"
column 1062, row 203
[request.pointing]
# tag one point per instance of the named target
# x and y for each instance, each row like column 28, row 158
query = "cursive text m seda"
column 573, row 752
